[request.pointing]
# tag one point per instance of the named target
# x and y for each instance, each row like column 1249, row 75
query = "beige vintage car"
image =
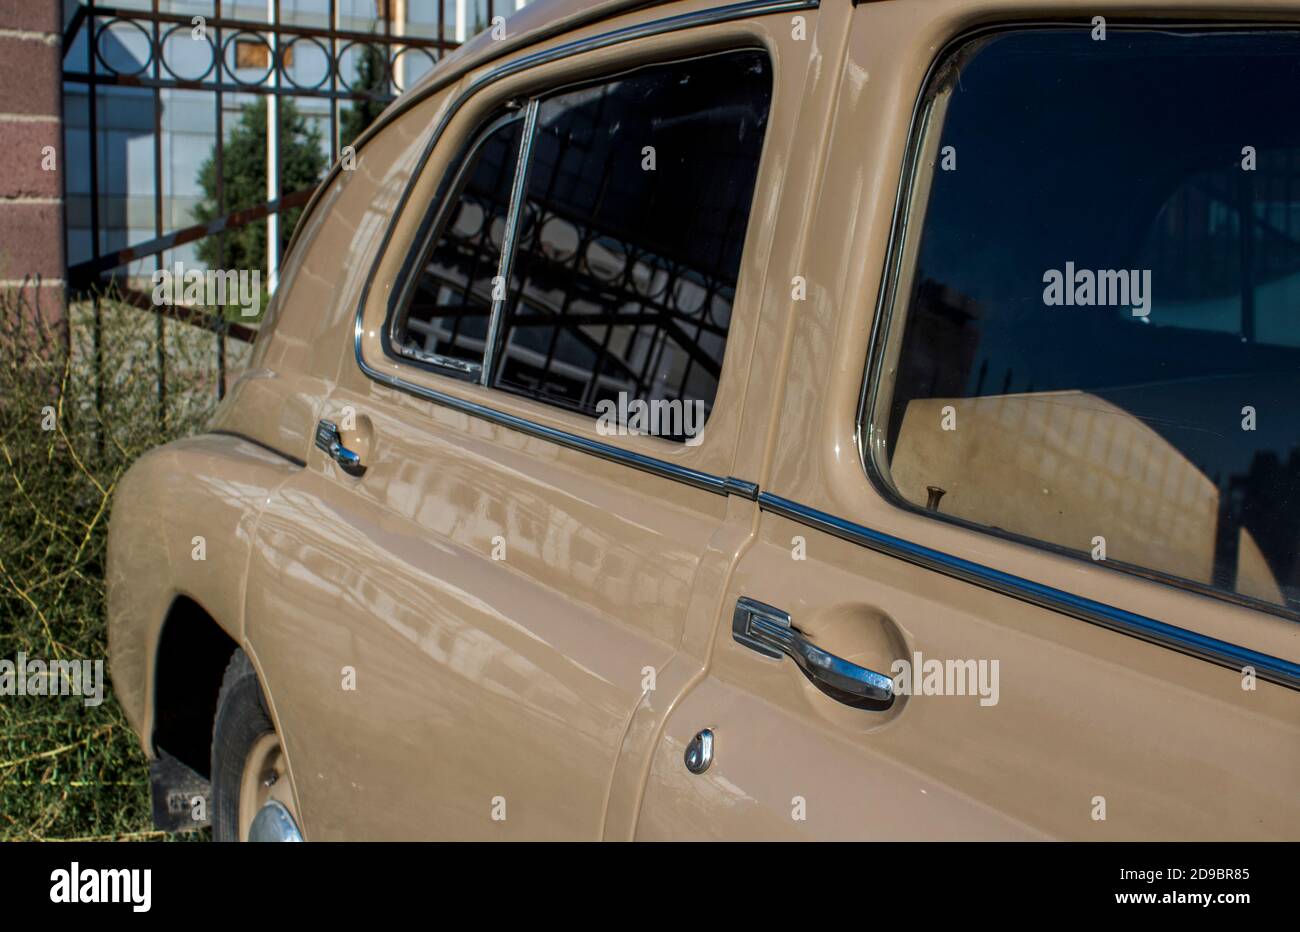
column 760, row 420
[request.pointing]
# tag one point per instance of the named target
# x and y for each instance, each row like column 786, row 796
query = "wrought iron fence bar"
column 334, row 77
column 388, row 39
column 256, row 26
column 74, row 24
column 77, row 274
column 229, row 87
column 196, row 316
column 97, row 332
column 160, row 322
column 219, row 152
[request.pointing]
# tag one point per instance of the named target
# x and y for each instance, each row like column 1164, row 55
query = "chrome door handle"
column 769, row 631
column 328, row 439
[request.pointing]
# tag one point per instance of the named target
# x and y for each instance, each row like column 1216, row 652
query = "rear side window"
column 638, row 198
column 586, row 249
column 1093, row 339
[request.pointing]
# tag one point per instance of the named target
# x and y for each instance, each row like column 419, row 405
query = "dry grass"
column 79, row 402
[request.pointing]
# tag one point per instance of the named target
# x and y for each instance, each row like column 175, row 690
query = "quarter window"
column 1093, row 337
column 445, row 321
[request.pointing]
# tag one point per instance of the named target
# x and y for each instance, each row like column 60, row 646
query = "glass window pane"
column 638, row 198
column 446, row 319
column 1095, row 341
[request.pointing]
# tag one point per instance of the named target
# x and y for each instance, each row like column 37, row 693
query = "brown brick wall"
column 31, row 15
column 26, row 64
column 24, row 176
column 31, row 197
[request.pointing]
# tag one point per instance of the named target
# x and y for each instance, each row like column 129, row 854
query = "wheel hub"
column 274, row 823
column 266, row 806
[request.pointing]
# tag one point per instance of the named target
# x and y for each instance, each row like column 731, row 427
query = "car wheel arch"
column 192, row 653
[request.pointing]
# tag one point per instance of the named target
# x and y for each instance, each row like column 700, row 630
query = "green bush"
column 80, row 399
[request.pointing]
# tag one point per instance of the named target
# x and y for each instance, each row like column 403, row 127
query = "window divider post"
column 518, row 194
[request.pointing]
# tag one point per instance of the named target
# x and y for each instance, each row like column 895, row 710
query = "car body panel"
column 182, row 525
column 1084, row 715
column 521, row 620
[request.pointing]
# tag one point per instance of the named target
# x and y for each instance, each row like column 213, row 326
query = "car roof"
column 539, row 20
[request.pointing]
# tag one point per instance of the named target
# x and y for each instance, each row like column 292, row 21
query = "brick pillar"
column 31, row 121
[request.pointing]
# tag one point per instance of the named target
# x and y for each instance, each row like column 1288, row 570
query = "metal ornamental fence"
column 108, row 47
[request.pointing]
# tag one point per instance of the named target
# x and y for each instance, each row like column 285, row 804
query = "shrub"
column 80, row 399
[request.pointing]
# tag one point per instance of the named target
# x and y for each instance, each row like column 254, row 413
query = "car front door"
column 1062, row 534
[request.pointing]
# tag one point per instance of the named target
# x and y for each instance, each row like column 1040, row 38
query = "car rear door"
column 1088, row 627
column 458, row 627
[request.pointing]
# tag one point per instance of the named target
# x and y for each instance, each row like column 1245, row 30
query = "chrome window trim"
column 1223, row 653
column 693, row 477
column 741, row 488
column 870, row 441
column 435, row 359
column 518, row 195
column 719, row 485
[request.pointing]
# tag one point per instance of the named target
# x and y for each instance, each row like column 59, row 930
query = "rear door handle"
column 328, row 439
column 769, row 631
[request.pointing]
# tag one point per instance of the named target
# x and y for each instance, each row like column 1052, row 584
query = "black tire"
column 241, row 720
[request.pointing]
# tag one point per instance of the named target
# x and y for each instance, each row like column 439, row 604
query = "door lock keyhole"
column 699, row 753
